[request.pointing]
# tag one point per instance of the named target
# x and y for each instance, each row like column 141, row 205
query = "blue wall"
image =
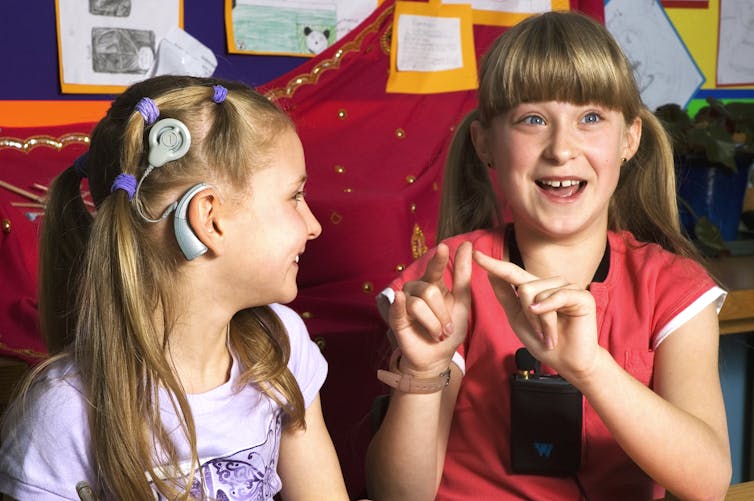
column 28, row 36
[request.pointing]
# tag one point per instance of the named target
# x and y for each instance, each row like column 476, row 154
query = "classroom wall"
column 30, row 59
column 29, row 72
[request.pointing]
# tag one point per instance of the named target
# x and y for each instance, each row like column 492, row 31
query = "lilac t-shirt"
column 238, row 432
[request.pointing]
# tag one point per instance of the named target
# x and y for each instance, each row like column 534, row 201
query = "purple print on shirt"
column 247, row 475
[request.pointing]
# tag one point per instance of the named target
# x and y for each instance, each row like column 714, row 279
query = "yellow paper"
column 437, row 18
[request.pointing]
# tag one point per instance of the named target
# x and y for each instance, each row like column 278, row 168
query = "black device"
column 546, row 421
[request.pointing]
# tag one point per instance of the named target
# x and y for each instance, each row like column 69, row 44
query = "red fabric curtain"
column 375, row 163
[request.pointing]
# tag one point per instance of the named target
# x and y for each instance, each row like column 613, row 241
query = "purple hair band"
column 220, row 93
column 79, row 165
column 125, row 182
column 148, row 110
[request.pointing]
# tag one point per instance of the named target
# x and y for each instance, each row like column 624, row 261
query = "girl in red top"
column 593, row 276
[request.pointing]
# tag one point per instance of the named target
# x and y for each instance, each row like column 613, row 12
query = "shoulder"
column 663, row 287
column 650, row 260
column 306, row 361
column 45, row 440
column 484, row 240
column 292, row 321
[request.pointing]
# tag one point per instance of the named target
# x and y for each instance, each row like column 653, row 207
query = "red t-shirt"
column 646, row 291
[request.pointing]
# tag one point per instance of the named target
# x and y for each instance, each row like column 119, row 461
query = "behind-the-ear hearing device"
column 169, row 139
column 188, row 242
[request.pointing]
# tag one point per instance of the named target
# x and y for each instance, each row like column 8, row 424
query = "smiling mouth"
column 562, row 188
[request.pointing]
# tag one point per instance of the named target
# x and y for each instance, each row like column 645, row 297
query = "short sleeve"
column 45, row 443
column 306, row 362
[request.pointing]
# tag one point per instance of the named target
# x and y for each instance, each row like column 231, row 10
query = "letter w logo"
column 543, row 449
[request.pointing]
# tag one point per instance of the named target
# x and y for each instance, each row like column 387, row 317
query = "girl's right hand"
column 429, row 320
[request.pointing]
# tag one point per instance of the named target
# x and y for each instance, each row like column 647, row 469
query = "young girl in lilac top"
column 177, row 373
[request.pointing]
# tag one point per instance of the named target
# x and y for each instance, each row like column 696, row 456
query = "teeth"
column 297, row 259
column 561, row 184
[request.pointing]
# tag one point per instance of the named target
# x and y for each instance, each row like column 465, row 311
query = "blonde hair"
column 569, row 57
column 122, row 270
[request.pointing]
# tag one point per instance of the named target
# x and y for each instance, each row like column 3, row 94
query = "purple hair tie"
column 79, row 165
column 125, row 182
column 148, row 110
column 220, row 93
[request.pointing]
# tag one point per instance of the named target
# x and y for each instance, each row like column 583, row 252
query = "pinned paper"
column 432, row 49
column 509, row 12
column 181, row 54
column 103, row 47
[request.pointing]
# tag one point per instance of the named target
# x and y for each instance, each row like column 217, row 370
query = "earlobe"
column 203, row 217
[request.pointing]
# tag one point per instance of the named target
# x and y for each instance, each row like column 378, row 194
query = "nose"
column 312, row 225
column 562, row 145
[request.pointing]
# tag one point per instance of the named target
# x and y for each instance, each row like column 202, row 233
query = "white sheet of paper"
column 663, row 66
column 517, row 6
column 735, row 56
column 181, row 54
column 427, row 43
column 351, row 13
column 115, row 48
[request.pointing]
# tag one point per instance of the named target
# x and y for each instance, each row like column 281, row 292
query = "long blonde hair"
column 569, row 57
column 121, row 272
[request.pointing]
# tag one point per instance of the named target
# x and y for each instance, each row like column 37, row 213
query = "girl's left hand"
column 555, row 320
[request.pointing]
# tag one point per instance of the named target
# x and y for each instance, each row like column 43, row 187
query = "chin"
column 287, row 296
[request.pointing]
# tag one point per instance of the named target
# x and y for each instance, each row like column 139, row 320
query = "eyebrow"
column 300, row 180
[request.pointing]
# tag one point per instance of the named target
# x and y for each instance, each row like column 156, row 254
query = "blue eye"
column 592, row 118
column 533, row 120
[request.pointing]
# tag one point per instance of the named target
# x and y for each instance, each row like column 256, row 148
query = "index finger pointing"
column 504, row 270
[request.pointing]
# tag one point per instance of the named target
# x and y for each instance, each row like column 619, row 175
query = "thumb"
column 397, row 316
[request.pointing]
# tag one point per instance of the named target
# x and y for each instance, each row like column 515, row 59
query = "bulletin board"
column 30, row 94
column 700, row 30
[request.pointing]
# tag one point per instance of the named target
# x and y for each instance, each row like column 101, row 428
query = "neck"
column 576, row 259
column 201, row 359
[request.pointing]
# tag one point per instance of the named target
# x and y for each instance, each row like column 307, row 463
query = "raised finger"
column 462, row 274
column 437, row 264
column 504, row 270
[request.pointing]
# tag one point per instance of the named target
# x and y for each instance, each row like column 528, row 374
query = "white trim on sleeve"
column 714, row 295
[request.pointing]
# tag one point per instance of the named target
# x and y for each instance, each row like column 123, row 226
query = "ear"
column 204, row 216
column 633, row 138
column 480, row 140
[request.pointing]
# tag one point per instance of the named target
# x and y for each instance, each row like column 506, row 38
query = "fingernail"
column 448, row 329
column 550, row 345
